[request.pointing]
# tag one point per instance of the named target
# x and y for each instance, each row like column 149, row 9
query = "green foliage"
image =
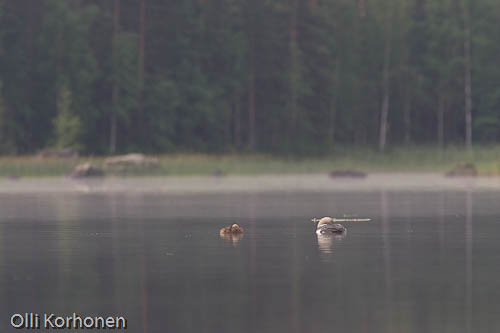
column 398, row 159
column 64, row 61
column 6, row 145
column 162, row 101
column 66, row 71
column 67, row 124
column 124, row 73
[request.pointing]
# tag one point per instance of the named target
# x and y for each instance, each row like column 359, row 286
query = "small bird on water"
column 327, row 225
column 231, row 230
column 233, row 233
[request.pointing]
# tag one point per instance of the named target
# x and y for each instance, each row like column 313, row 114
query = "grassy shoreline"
column 399, row 159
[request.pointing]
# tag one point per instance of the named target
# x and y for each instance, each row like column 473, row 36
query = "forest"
column 273, row 76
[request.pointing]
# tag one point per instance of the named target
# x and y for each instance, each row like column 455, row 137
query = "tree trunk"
column 252, row 137
column 114, row 89
column 362, row 8
column 467, row 81
column 142, row 19
column 333, row 103
column 386, row 81
column 142, row 131
column 407, row 114
column 313, row 4
column 237, row 124
column 29, row 49
column 406, row 76
column 251, row 111
column 294, row 73
column 440, row 122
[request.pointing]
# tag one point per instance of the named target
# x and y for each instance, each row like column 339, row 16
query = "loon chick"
column 232, row 229
column 326, row 225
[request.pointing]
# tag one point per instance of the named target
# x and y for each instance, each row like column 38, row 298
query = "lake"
column 151, row 252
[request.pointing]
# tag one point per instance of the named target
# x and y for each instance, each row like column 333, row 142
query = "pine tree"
column 67, row 124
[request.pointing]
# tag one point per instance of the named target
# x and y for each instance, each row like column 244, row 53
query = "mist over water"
column 428, row 261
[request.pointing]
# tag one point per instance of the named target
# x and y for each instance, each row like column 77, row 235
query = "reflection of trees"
column 400, row 273
column 95, row 274
column 386, row 245
column 129, row 249
column 295, row 315
column 85, row 266
column 468, row 261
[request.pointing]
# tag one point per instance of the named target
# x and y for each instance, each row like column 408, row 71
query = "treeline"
column 288, row 76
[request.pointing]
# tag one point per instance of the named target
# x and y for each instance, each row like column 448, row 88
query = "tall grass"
column 397, row 159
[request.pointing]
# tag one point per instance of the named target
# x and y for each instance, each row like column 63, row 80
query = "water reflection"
column 427, row 262
column 84, row 185
column 233, row 238
column 468, row 261
column 386, row 244
column 326, row 242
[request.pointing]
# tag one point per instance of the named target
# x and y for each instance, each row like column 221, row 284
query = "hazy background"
column 288, row 76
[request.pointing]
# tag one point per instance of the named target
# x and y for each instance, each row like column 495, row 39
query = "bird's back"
column 331, row 228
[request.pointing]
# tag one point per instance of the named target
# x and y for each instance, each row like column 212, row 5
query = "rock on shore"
column 463, row 170
column 130, row 160
column 86, row 170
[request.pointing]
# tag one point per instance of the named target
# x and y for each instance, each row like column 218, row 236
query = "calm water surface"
column 428, row 262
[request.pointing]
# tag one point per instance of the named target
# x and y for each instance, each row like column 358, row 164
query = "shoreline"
column 418, row 159
column 289, row 183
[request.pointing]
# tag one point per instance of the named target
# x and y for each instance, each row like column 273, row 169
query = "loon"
column 327, row 225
